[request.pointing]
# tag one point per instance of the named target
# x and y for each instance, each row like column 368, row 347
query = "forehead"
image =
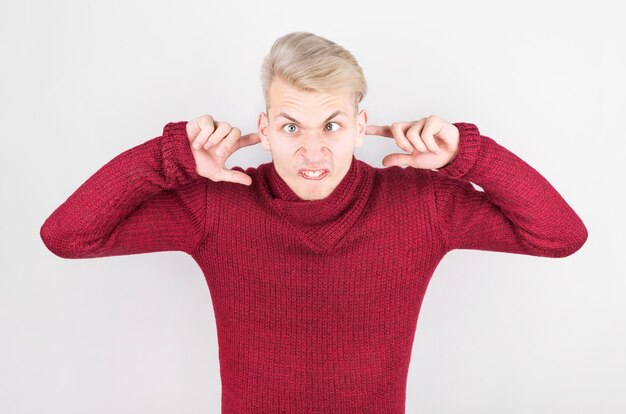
column 285, row 96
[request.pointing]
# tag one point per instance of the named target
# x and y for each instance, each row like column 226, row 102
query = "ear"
column 361, row 125
column 263, row 126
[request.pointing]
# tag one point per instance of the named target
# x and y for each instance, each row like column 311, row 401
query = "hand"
column 212, row 142
column 431, row 142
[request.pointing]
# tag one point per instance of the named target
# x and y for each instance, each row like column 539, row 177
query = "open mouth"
column 314, row 175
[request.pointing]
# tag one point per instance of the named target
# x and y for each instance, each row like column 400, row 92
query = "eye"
column 330, row 123
column 289, row 125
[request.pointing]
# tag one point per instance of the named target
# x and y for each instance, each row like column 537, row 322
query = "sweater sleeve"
column 518, row 210
column 149, row 198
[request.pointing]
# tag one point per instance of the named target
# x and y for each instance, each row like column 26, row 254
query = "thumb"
column 425, row 160
column 397, row 159
column 236, row 177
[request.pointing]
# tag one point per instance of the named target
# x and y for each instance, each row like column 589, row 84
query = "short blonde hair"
column 313, row 63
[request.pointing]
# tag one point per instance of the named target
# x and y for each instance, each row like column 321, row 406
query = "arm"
column 149, row 198
column 518, row 212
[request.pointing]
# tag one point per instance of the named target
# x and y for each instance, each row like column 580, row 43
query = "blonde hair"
column 313, row 63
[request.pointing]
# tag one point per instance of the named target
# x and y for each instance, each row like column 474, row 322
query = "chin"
column 311, row 197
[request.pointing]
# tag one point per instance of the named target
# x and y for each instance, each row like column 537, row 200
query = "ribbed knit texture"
column 316, row 301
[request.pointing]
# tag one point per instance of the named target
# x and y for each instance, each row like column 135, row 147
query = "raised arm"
column 148, row 198
column 519, row 211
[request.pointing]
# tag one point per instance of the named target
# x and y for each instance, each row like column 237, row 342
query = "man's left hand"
column 432, row 142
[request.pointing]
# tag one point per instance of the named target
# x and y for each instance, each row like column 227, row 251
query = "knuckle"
column 205, row 120
column 207, row 127
column 221, row 150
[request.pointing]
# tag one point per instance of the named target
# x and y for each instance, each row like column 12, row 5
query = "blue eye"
column 290, row 125
column 330, row 123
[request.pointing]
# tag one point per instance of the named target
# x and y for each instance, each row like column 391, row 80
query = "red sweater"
column 316, row 301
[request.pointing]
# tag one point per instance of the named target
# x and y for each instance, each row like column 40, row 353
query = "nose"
column 314, row 148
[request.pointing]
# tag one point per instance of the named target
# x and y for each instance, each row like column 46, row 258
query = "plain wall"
column 498, row 333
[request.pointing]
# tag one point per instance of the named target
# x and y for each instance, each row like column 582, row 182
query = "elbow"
column 46, row 233
column 53, row 242
column 559, row 245
column 68, row 244
column 574, row 243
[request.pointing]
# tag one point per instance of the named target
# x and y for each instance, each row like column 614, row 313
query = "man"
column 317, row 263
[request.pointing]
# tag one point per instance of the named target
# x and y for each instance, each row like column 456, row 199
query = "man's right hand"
column 207, row 138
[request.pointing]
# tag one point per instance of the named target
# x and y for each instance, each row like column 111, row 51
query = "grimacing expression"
column 312, row 136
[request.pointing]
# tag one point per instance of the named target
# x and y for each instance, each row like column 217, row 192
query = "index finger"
column 380, row 130
column 248, row 139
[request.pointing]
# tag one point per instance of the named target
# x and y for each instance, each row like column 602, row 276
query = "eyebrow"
column 334, row 114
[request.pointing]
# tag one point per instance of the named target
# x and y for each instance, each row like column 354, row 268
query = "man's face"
column 311, row 131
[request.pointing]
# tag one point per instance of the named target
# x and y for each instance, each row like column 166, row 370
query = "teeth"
column 313, row 173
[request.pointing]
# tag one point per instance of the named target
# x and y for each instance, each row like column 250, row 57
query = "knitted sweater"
column 316, row 301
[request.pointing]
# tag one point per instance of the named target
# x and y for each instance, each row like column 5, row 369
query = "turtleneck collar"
column 323, row 222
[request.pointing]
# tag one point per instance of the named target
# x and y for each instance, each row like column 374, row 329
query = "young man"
column 317, row 262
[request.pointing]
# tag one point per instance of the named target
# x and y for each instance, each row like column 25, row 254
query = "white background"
column 498, row 333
